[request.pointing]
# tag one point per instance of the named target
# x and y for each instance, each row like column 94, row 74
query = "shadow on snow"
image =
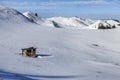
column 16, row 76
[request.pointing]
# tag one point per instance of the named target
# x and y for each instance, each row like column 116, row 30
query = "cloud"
column 91, row 2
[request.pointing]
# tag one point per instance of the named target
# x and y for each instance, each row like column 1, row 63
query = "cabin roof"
column 29, row 48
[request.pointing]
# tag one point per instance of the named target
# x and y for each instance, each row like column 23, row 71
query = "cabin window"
column 29, row 51
column 33, row 49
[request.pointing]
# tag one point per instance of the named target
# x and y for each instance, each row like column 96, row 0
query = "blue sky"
column 95, row 9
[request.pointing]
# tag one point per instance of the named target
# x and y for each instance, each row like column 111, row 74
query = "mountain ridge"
column 14, row 16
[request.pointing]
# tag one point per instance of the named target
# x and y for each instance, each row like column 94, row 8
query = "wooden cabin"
column 30, row 52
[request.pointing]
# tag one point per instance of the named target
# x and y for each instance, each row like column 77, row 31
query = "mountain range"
column 68, row 48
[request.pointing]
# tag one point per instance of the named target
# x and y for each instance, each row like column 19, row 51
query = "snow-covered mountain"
column 73, row 22
column 59, row 22
column 37, row 19
column 105, row 24
column 65, row 54
column 11, row 15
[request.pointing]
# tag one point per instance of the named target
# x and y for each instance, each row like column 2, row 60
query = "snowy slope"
column 11, row 15
column 35, row 18
column 72, row 54
column 66, row 54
